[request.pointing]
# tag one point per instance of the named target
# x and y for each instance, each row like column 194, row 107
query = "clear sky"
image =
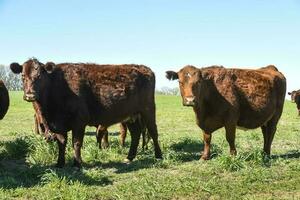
column 162, row 34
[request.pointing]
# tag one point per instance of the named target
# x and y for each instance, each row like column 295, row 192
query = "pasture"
column 27, row 172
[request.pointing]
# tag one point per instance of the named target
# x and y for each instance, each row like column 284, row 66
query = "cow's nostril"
column 189, row 101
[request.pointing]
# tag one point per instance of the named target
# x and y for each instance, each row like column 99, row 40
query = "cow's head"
column 293, row 95
column 33, row 76
column 189, row 79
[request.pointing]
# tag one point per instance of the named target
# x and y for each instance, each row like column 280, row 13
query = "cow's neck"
column 207, row 106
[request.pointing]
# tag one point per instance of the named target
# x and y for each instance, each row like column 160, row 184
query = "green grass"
column 27, row 172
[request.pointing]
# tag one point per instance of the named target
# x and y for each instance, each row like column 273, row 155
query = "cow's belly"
column 254, row 119
column 115, row 112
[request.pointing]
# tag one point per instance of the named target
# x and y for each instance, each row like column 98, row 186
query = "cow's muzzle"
column 29, row 97
column 189, row 101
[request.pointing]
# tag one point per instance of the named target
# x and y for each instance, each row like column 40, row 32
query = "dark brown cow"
column 4, row 100
column 233, row 98
column 72, row 96
column 295, row 97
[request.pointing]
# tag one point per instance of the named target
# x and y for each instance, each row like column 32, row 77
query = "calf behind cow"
column 295, row 97
column 72, row 96
column 233, row 98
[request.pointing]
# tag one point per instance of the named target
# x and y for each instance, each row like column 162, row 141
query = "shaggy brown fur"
column 233, row 98
column 73, row 95
column 4, row 100
column 295, row 97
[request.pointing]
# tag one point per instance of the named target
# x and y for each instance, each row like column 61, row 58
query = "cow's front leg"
column 62, row 142
column 206, row 140
column 77, row 140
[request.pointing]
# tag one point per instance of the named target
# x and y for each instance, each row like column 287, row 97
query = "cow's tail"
column 4, row 100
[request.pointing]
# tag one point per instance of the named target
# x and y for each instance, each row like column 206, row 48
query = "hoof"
column 60, row 165
column 204, row 157
column 104, row 145
column 50, row 137
column 77, row 164
column 127, row 161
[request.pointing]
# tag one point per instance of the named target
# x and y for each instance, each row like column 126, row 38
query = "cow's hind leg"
column 123, row 133
column 135, row 133
column 77, row 140
column 230, row 130
column 149, row 117
column 102, row 137
column 269, row 131
column 62, row 142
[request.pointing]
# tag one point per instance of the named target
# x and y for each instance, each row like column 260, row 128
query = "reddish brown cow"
column 74, row 95
column 295, row 97
column 4, row 100
column 233, row 98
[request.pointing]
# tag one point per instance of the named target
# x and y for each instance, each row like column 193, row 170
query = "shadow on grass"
column 189, row 150
column 289, row 155
column 93, row 133
column 15, row 172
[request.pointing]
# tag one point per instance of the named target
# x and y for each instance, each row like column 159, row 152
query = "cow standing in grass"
column 233, row 98
column 4, row 100
column 295, row 97
column 73, row 96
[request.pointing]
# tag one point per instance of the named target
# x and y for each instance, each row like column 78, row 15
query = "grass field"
column 27, row 172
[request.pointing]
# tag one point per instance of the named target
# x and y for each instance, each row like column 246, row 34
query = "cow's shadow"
column 292, row 154
column 15, row 171
column 189, row 150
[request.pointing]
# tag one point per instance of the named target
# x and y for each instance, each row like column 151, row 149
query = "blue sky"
column 162, row 34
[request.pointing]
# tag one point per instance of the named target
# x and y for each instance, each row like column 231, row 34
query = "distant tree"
column 11, row 80
column 168, row 91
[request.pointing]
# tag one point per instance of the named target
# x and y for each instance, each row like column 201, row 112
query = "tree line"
column 11, row 80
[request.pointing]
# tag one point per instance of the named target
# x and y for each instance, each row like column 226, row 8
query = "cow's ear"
column 49, row 67
column 16, row 68
column 289, row 93
column 171, row 75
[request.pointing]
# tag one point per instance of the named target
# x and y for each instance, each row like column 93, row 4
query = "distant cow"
column 295, row 97
column 74, row 95
column 233, row 98
column 4, row 100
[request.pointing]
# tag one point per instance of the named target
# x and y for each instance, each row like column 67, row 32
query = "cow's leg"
column 104, row 142
column 102, row 136
column 265, row 134
column 135, row 133
column 207, row 140
column 230, row 130
column 123, row 133
column 270, row 132
column 36, row 125
column 149, row 117
column 77, row 140
column 62, row 142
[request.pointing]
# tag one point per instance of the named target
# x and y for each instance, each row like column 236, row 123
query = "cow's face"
column 32, row 77
column 189, row 79
column 293, row 95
